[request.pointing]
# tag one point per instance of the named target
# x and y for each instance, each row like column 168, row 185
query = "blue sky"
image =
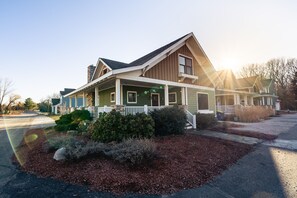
column 47, row 45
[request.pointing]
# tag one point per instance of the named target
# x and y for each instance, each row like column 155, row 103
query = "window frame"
column 185, row 66
column 135, row 92
column 175, row 98
column 112, row 93
column 197, row 99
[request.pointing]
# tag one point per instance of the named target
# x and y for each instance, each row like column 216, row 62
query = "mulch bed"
column 183, row 162
column 230, row 128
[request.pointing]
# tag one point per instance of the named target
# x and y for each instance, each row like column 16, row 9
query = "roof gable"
column 248, row 82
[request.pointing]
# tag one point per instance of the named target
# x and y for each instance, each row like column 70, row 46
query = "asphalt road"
column 269, row 171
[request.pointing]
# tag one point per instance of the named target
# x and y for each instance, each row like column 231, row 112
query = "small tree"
column 29, row 104
column 5, row 86
column 12, row 101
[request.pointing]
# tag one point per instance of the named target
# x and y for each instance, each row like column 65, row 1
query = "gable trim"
column 97, row 65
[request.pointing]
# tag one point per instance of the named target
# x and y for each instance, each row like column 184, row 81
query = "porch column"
column 245, row 100
column 84, row 100
column 118, row 92
column 96, row 96
column 183, row 96
column 186, row 93
column 70, row 102
column 235, row 100
column 166, row 95
column 263, row 101
column 75, row 101
column 252, row 100
column 238, row 99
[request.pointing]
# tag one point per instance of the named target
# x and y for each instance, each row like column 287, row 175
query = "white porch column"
column 183, row 96
column 84, row 100
column 186, row 93
column 252, row 100
column 75, row 101
column 96, row 96
column 238, row 99
column 245, row 100
column 56, row 110
column 70, row 102
column 166, row 95
column 235, row 99
column 263, row 101
column 118, row 92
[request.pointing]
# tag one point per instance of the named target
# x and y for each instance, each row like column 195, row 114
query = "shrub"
column 54, row 143
column 72, row 120
column 133, row 151
column 114, row 126
column 169, row 120
column 204, row 121
column 253, row 113
column 78, row 151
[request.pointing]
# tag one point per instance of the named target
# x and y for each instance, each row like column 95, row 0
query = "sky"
column 46, row 46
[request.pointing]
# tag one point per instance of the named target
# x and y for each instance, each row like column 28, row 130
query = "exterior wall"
column 143, row 95
column 192, row 99
column 104, row 97
column 177, row 90
column 168, row 69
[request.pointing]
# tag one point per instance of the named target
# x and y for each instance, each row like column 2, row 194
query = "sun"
column 230, row 64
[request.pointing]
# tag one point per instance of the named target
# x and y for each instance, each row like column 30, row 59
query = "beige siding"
column 168, row 68
column 192, row 99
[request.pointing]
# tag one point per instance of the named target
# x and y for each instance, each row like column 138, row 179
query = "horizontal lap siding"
column 192, row 99
column 104, row 97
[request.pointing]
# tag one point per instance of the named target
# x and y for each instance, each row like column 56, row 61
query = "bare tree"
column 5, row 89
column 12, row 101
column 253, row 70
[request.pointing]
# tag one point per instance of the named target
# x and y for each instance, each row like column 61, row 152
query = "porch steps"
column 188, row 126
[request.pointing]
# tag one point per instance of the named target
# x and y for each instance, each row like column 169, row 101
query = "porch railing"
column 191, row 118
column 227, row 109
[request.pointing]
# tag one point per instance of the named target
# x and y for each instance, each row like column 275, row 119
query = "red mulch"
column 230, row 128
column 184, row 161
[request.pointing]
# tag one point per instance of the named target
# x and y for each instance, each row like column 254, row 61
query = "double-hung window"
column 185, row 65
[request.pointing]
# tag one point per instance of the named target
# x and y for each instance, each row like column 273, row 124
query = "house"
column 247, row 91
column 178, row 73
column 64, row 104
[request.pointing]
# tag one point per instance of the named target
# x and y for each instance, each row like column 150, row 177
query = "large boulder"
column 60, row 154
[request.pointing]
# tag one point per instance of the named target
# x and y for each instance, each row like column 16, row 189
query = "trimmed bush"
column 114, row 126
column 71, row 121
column 169, row 120
column 133, row 151
column 204, row 121
column 54, row 143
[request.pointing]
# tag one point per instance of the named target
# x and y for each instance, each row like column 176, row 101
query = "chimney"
column 91, row 69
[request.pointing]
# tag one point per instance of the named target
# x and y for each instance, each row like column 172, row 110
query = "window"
column 202, row 101
column 185, row 65
column 172, row 97
column 104, row 71
column 131, row 97
column 112, row 97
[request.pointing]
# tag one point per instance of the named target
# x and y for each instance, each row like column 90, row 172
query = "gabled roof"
column 115, row 64
column 228, row 79
column 66, row 91
column 266, row 82
column 55, row 101
column 156, row 52
column 246, row 82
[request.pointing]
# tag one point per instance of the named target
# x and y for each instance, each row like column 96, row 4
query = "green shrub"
column 169, row 120
column 72, row 120
column 114, row 126
column 133, row 151
column 204, row 121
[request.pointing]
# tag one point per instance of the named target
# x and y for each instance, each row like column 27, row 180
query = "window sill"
column 184, row 76
column 206, row 111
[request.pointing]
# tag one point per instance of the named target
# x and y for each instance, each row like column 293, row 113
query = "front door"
column 155, row 99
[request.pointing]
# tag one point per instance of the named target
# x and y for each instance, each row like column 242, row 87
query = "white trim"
column 158, row 98
column 122, row 97
column 198, row 98
column 97, row 65
column 110, row 98
column 175, row 96
column 164, row 82
column 128, row 97
column 128, row 69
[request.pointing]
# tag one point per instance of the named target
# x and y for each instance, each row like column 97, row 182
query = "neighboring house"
column 63, row 104
column 178, row 73
column 243, row 91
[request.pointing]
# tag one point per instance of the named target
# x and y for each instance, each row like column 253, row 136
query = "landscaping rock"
column 60, row 154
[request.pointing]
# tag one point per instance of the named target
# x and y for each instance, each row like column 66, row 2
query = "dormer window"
column 185, row 65
column 104, row 71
